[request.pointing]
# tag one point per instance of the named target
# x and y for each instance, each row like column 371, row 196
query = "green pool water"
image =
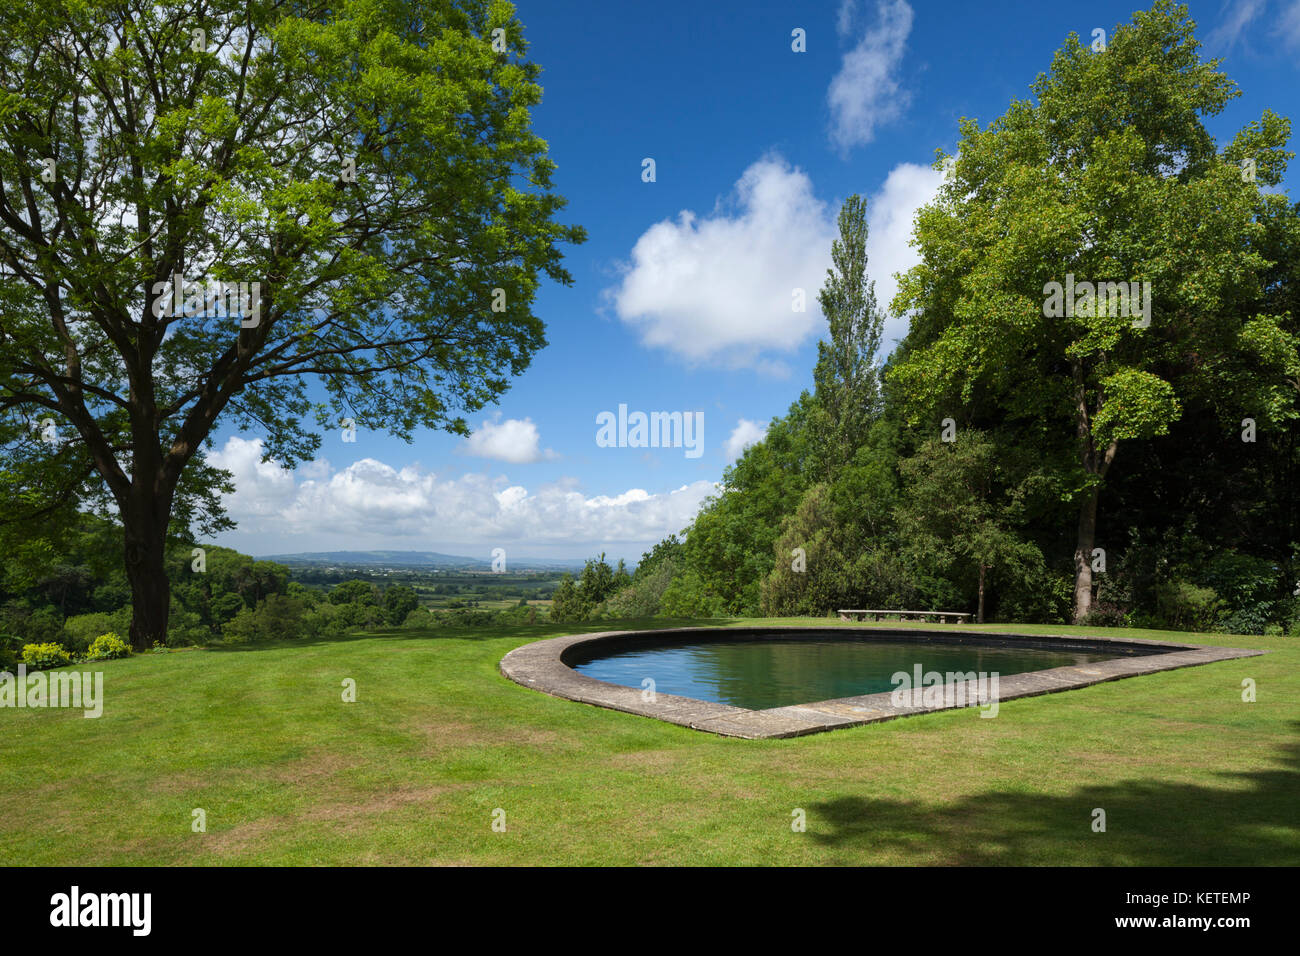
column 759, row 674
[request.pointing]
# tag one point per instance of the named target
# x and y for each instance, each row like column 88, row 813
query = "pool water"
column 759, row 674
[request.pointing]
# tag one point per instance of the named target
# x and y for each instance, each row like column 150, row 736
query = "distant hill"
column 418, row 559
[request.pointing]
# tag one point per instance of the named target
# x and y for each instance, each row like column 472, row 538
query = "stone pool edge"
column 540, row 666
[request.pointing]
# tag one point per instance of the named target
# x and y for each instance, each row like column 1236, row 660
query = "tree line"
column 1131, row 458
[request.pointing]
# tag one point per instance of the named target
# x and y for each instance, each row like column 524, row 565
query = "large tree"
column 366, row 168
column 1109, row 175
column 847, row 387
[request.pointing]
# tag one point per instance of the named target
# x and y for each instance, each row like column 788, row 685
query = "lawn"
column 411, row 773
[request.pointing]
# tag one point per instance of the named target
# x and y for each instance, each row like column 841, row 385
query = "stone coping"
column 546, row 666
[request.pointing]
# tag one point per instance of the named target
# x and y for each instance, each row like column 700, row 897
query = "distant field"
column 442, row 589
column 258, row 737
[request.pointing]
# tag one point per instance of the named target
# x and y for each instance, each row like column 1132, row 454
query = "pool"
column 759, row 674
column 791, row 680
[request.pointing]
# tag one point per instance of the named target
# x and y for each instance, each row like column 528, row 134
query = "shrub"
column 107, row 647
column 1186, row 607
column 1106, row 614
column 1042, row 596
column 81, row 629
column 420, row 617
column 186, row 628
column 10, row 647
column 399, row 601
column 359, row 615
column 38, row 656
column 326, row 620
column 1248, row 620
column 275, row 618
column 688, row 596
column 568, row 606
column 643, row 597
column 1250, row 587
column 355, row 591
column 42, row 626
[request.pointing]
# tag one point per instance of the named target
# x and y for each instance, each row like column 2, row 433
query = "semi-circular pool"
column 786, row 681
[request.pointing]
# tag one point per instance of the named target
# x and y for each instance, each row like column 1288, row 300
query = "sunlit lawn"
column 287, row 773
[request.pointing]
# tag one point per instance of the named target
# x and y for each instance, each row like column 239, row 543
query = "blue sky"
column 682, row 296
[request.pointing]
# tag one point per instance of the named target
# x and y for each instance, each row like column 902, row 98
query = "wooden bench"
column 944, row 617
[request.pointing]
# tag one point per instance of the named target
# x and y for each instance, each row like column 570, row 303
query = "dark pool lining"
column 595, row 649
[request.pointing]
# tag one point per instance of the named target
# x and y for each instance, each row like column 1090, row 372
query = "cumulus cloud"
column 890, row 214
column 720, row 287
column 745, row 433
column 866, row 93
column 514, row 440
column 370, row 504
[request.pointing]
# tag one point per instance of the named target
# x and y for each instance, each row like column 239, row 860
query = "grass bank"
column 260, row 739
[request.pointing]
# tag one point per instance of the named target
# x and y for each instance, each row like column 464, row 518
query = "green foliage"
column 278, row 617
column 1186, row 607
column 576, row 602
column 567, row 605
column 809, row 576
column 372, row 167
column 958, row 510
column 81, row 630
column 597, row 581
column 730, row 545
column 108, row 647
column 399, row 601
column 10, row 650
column 355, row 591
column 687, row 595
column 847, row 386
column 669, row 550
column 38, row 656
column 643, row 597
column 1106, row 614
column 1108, row 176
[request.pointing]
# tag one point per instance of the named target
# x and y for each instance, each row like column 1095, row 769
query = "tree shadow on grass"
column 1254, row 820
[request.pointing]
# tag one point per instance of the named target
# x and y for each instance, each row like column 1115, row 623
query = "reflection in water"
column 762, row 674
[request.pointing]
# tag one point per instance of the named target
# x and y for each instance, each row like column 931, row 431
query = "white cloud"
column 1289, row 24
column 865, row 93
column 745, row 433
column 1236, row 16
column 514, row 440
column 719, row 288
column 890, row 215
column 370, row 505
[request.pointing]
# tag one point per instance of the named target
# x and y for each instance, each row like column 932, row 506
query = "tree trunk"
column 1083, row 555
column 1096, row 462
column 146, row 543
column 979, row 619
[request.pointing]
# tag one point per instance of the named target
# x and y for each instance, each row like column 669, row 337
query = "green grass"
column 411, row 773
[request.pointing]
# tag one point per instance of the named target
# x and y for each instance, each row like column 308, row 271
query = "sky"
column 683, row 297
